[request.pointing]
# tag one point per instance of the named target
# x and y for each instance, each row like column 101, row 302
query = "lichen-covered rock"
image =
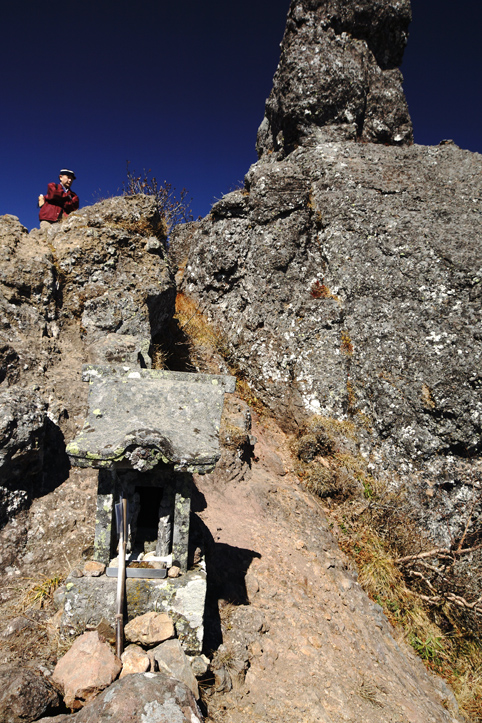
column 27, row 309
column 338, row 71
column 140, row 698
column 179, row 241
column 24, row 696
column 142, row 416
column 360, row 299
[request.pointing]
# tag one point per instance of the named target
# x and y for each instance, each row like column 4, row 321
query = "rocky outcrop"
column 95, row 288
column 346, row 276
column 139, row 698
column 357, row 292
column 25, row 696
column 338, row 71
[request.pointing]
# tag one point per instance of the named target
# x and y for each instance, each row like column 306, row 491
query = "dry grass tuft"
column 231, row 436
column 144, row 228
column 209, row 349
column 225, row 655
column 247, row 394
column 41, row 593
column 466, row 682
column 373, row 523
column 204, row 339
column 159, row 357
column 226, row 610
column 369, row 692
column 327, row 460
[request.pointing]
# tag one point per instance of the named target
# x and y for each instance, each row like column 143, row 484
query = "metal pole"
column 121, row 517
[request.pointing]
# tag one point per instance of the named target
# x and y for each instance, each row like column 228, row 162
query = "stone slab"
column 93, row 371
column 86, row 601
column 139, row 572
column 140, row 417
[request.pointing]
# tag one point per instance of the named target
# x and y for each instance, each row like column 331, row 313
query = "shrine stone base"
column 87, row 601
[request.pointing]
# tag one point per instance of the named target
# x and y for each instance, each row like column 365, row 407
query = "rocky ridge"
column 96, row 288
column 346, row 277
column 344, row 280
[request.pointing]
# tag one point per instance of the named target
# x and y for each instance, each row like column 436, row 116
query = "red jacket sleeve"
column 57, row 197
column 54, row 194
column 71, row 203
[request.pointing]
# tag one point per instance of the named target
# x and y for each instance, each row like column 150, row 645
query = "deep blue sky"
column 179, row 86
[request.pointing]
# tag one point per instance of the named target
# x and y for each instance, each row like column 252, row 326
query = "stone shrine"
column 147, row 431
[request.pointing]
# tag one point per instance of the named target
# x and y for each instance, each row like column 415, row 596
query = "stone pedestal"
column 147, row 432
column 87, row 601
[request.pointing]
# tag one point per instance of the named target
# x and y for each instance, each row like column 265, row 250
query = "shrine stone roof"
column 139, row 418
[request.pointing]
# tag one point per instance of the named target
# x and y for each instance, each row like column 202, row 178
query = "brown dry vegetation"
column 208, row 348
column 374, row 528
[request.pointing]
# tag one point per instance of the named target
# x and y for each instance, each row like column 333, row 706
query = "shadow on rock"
column 56, row 464
column 226, row 574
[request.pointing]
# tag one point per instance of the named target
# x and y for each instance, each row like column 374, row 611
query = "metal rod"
column 121, row 511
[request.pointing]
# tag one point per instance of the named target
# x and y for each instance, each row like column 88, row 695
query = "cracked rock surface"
column 357, row 295
column 91, row 289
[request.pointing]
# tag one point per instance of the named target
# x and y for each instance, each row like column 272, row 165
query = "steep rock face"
column 95, row 288
column 339, row 71
column 346, row 274
column 347, row 280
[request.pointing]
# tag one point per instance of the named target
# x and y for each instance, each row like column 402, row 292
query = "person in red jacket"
column 59, row 201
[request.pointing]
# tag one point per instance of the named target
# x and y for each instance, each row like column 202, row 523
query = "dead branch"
column 415, row 573
column 451, row 597
column 441, row 552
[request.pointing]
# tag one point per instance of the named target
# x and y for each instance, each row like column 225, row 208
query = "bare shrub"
column 327, row 460
column 174, row 209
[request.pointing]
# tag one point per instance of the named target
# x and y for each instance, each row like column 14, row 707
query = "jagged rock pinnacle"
column 338, row 71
